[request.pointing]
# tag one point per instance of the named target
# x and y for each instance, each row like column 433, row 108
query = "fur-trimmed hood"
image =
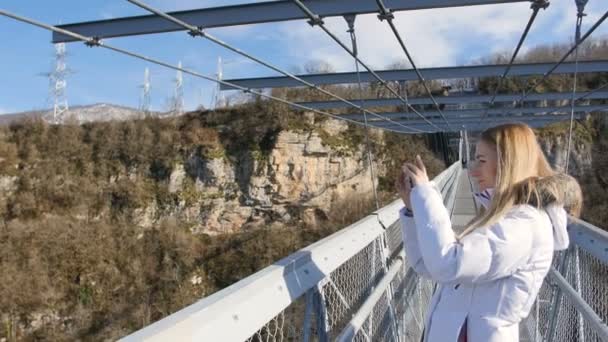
column 558, row 194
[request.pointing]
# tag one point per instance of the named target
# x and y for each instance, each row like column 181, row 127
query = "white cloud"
column 437, row 37
column 433, row 37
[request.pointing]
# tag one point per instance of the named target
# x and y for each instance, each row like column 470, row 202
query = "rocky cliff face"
column 556, row 149
column 300, row 179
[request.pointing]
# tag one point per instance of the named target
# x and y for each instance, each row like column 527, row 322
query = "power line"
column 315, row 20
column 96, row 42
column 196, row 31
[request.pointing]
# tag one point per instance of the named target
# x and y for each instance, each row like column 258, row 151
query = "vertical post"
column 536, row 320
column 385, row 252
column 467, row 146
column 460, row 147
column 556, row 296
column 321, row 313
column 310, row 297
column 578, row 287
column 373, row 278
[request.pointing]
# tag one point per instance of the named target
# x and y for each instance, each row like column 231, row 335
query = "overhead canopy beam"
column 441, row 73
column 472, row 125
column 255, row 13
column 461, row 121
column 476, row 113
column 455, row 99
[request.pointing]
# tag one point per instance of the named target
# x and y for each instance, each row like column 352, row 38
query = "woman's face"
column 484, row 167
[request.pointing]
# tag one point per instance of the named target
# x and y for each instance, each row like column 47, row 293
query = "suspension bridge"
column 357, row 284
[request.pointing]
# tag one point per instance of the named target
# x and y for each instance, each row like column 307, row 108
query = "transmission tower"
column 144, row 101
column 218, row 96
column 57, row 87
column 178, row 98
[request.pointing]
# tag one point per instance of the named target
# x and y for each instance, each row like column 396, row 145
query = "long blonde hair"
column 520, row 169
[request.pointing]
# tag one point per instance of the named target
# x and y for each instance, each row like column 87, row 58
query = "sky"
column 437, row 37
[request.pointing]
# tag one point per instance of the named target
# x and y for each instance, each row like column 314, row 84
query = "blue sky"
column 442, row 37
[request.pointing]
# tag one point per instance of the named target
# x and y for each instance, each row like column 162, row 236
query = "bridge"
column 357, row 284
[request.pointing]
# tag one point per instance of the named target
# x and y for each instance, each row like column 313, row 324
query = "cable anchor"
column 197, row 31
column 385, row 13
column 539, row 4
column 93, row 42
column 315, row 20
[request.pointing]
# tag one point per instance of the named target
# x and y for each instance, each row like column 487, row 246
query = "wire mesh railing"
column 572, row 304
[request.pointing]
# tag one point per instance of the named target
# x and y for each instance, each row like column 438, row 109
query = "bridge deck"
column 464, row 204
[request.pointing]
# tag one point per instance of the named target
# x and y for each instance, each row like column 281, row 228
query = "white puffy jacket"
column 490, row 277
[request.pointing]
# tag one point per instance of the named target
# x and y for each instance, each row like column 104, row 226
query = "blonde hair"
column 521, row 167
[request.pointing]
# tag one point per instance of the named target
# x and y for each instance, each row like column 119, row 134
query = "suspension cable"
column 315, row 20
column 579, row 21
column 574, row 47
column 96, row 42
column 386, row 14
column 196, row 31
column 350, row 20
column 536, row 6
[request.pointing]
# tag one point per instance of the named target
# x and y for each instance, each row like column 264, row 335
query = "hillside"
column 91, row 113
column 125, row 222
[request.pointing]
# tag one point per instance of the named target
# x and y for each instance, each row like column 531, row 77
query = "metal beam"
column 429, row 74
column 476, row 113
column 256, row 13
column 455, row 99
column 465, row 121
column 480, row 126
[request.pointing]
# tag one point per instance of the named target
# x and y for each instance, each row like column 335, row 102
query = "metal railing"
column 356, row 285
column 573, row 302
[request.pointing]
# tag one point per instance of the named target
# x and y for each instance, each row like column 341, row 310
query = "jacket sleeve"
column 410, row 244
column 486, row 254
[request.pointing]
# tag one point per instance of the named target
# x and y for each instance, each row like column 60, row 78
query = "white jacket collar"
column 559, row 220
column 557, row 215
column 484, row 197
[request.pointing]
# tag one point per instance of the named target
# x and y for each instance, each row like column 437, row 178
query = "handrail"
column 591, row 317
column 589, row 237
column 238, row 311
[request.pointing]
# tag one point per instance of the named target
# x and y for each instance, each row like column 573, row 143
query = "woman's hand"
column 411, row 175
column 404, row 189
column 417, row 173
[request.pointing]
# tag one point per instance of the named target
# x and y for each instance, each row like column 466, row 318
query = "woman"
column 489, row 276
